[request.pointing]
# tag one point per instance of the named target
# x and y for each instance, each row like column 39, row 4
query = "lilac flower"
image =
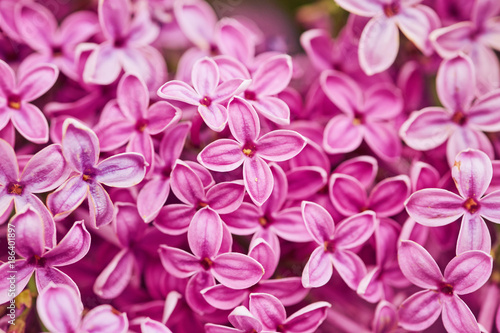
column 209, row 260
column 379, row 43
column 243, row 321
column 461, row 121
column 130, row 119
column 80, row 147
column 364, row 115
column 207, row 94
column 386, row 198
column 250, row 150
column 153, row 195
column 386, row 318
column 335, row 246
column 126, row 46
column 16, row 95
column 60, row 310
column 478, row 38
column 472, row 174
column 57, row 45
column 45, row 171
column 30, row 245
column 464, row 274
column 187, row 186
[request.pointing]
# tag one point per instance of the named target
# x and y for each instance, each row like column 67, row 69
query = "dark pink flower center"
column 446, row 289
column 14, row 102
column 88, row 175
column 15, row 188
column 265, row 221
column 358, row 119
column 249, row 149
column 471, row 205
column 141, row 125
column 206, row 101
column 459, row 118
column 329, row 246
column 250, row 95
column 206, row 263
column 201, row 205
column 57, row 51
column 166, row 172
column 391, row 9
column 37, row 261
column 119, row 42
column 280, row 328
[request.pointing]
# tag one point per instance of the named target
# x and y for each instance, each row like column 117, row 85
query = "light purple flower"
column 478, row 38
column 60, row 310
column 365, row 115
column 16, row 95
column 30, row 245
column 126, row 46
column 223, row 198
column 130, row 119
column 80, row 147
column 45, row 171
column 251, row 150
column 208, row 95
column 209, row 260
column 472, row 173
column 335, row 244
column 379, row 42
column 464, row 274
column 461, row 122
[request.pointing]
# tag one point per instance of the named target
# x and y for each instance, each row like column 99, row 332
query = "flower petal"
column 434, row 207
column 482, row 114
column 474, row 234
column 44, row 276
column 205, row 233
column 258, row 179
column 318, row 269
column 121, row 170
column 194, row 298
column 162, row 115
column 457, row 317
column 280, row 145
column 29, row 233
column 418, row 266
column 174, row 219
column 268, row 309
column 416, row 25
column 20, row 279
column 387, row 197
column 349, row 266
column 73, row 247
column 9, row 169
column 104, row 318
column 186, row 185
column 342, row 91
column 116, row 276
column 178, row 262
column 288, row 290
column 59, row 308
column 179, row 91
column 347, row 194
column 114, row 17
column 472, row 173
column 132, row 96
column 100, row 205
column 236, row 270
column 464, row 138
column 490, row 207
column 383, row 140
column 215, row 116
column 224, row 298
column 355, row 230
column 103, row 65
column 468, row 271
column 273, row 75
column 172, row 144
column 31, row 123
column 221, row 155
column 419, row 311
column 318, row 221
column 341, row 135
column 205, row 76
column 226, row 197
column 37, row 81
column 273, row 109
column 307, row 319
column 152, row 197
column 80, row 145
column 243, row 120
column 361, row 7
column 67, row 197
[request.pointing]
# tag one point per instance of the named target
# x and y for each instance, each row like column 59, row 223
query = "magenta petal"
column 273, row 75
column 222, row 297
column 186, row 184
column 318, row 269
column 289, row 225
column 172, row 144
column 387, row 197
column 468, row 271
column 59, row 308
column 73, row 247
column 44, row 276
column 258, row 179
column 342, row 91
column 307, row 319
column 103, row 65
column 261, row 251
column 35, row 82
column 162, row 115
column 31, row 123
column 80, row 145
column 418, row 266
column 205, row 76
column 244, row 221
column 457, row 317
column 237, row 271
column 420, row 311
column 174, row 219
column 23, row 274
column 383, row 140
column 305, row 181
column 114, row 17
column 152, row 197
column 456, row 83
column 386, row 318
column 179, row 91
column 378, row 45
column 128, row 224
column 67, row 197
column 205, row 233
column 215, row 116
column 318, row 221
column 221, row 155
column 472, row 173
column 349, row 266
column 194, row 298
column 226, row 197
column 8, row 163
column 113, row 129
column 268, row 309
column 105, row 318
column 416, row 23
column 482, row 114
column 383, row 102
column 341, row 135
column 434, row 207
column 464, row 138
column 153, row 326
column 288, row 290
column 273, row 109
column 232, row 40
column 121, row 170
column 243, row 319
column 178, row 262
column 474, row 234
column 280, row 145
column 355, row 230
column 243, row 120
column 100, row 205
column 361, row 7
column 132, row 96
column 347, row 194
column 46, row 170
column 116, row 276
column 427, row 129
column 29, row 233
column 490, row 207
column 318, row 46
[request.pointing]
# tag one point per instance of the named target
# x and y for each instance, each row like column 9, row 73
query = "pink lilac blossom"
column 250, row 166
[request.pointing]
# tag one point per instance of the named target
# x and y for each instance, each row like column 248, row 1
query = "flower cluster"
column 263, row 181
